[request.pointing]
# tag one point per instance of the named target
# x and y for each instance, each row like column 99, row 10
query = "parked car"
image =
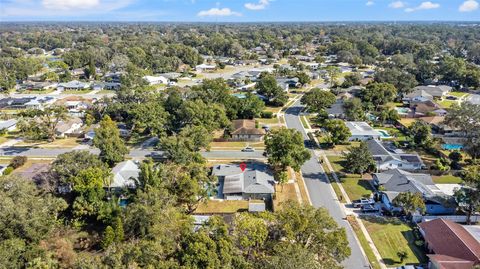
column 369, row 209
column 248, row 149
column 363, row 201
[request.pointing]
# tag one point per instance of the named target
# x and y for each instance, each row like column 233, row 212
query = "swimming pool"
column 402, row 110
column 452, row 146
column 383, row 134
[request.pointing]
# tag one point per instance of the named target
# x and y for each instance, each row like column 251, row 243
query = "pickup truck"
column 363, row 201
column 369, row 209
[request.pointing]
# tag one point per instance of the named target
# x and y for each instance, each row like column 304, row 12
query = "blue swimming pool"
column 452, row 146
column 383, row 134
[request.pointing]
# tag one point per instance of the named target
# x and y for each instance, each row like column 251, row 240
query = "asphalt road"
column 134, row 153
column 321, row 193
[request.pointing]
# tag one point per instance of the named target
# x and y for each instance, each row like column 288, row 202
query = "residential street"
column 321, row 193
column 134, row 153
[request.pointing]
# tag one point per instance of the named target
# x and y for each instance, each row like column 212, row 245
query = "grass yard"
column 106, row 92
column 70, row 142
column 447, row 179
column 76, row 92
column 272, row 109
column 363, row 242
column 357, row 188
column 304, row 122
column 447, row 103
column 37, row 91
column 284, row 193
column 236, row 145
column 390, row 236
column 458, row 94
column 221, row 207
column 273, row 120
column 406, row 121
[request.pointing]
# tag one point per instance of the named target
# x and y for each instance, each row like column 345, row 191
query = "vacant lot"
column 390, row 236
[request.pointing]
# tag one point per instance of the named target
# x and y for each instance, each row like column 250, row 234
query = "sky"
column 239, row 10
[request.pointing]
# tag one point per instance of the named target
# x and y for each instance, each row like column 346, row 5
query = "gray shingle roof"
column 255, row 179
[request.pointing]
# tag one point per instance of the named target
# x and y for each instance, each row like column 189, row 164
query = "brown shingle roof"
column 445, row 237
column 246, row 127
column 448, row 262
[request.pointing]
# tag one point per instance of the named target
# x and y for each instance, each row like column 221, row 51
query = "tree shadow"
column 418, row 251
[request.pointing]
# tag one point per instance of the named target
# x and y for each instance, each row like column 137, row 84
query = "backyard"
column 390, row 236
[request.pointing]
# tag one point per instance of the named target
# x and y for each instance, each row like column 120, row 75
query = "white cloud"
column 468, row 6
column 218, row 12
column 370, row 3
column 70, row 4
column 262, row 4
column 397, row 4
column 423, row 6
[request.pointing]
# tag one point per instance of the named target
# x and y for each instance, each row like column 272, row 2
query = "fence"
column 454, row 218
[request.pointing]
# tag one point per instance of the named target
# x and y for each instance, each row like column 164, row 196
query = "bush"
column 266, row 114
column 8, row 171
column 18, row 161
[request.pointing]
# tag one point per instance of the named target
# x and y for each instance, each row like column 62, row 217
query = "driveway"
column 321, row 192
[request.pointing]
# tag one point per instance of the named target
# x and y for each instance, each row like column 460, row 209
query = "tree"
column 354, row 109
column 318, row 100
column 250, row 233
column 410, row 202
column 351, row 80
column 338, row 131
column 43, row 123
column 468, row 196
column 379, row 94
column 26, row 214
column 108, row 237
column 149, row 117
column 359, row 159
column 107, row 139
column 333, row 73
column 285, row 147
column 303, row 78
column 268, row 87
column 466, row 118
column 421, row 133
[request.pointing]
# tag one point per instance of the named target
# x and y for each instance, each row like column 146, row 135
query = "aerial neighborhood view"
column 270, row 134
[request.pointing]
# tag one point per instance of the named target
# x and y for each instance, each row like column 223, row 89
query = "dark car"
column 369, row 209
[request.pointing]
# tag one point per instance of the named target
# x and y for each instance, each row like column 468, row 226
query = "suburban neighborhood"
column 317, row 145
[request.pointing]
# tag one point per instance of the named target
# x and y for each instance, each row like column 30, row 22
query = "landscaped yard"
column 390, row 236
column 447, row 179
column 273, row 120
column 214, row 206
column 447, row 103
column 458, row 94
column 353, row 184
column 363, row 242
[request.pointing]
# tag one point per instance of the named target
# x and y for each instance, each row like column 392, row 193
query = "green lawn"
column 447, row 179
column 221, row 207
column 364, row 243
column 76, row 92
column 458, row 94
column 357, row 188
column 447, row 103
column 304, row 122
column 390, row 235
column 273, row 120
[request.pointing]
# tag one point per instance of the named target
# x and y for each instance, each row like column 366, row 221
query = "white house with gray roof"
column 361, row 131
column 255, row 182
column 125, row 175
column 387, row 159
column 425, row 93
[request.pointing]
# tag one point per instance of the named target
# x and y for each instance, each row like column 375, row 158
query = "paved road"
column 134, row 153
column 321, row 193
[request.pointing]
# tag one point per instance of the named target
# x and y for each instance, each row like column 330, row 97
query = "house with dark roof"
column 245, row 130
column 391, row 158
column 450, row 245
column 396, row 181
column 255, row 182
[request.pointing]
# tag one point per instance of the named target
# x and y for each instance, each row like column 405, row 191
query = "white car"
column 248, row 149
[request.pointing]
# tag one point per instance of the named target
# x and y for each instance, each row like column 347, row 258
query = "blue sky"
column 239, row 10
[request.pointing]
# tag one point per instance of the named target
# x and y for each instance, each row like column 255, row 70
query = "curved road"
column 321, row 192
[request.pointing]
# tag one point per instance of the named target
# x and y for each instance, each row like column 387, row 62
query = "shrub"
column 18, row 161
column 8, row 171
column 267, row 114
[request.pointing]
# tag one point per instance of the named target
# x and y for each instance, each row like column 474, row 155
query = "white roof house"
column 73, row 85
column 155, row 80
column 205, row 67
column 361, row 131
column 125, row 175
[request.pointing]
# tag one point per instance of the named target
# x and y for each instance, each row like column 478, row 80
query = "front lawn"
column 447, row 103
column 265, row 121
column 458, row 94
column 363, row 241
column 77, row 91
column 447, row 179
column 390, row 236
column 221, row 207
column 357, row 188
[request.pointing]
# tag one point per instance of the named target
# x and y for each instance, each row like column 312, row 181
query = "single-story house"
column 206, row 67
column 155, row 80
column 255, row 182
column 8, row 125
column 245, row 130
column 125, row 175
column 287, row 83
column 396, row 181
column 427, row 107
column 106, row 86
column 361, row 131
column 438, row 126
column 71, row 127
column 39, row 86
column 450, row 245
column 424, row 93
column 73, row 85
column 387, row 159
